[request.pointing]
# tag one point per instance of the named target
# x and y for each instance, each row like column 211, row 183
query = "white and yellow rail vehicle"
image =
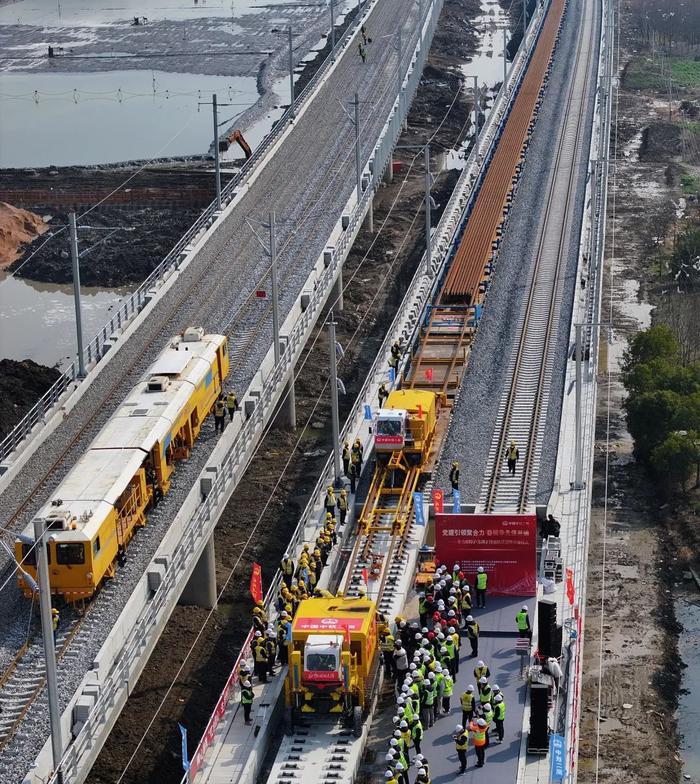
column 94, row 512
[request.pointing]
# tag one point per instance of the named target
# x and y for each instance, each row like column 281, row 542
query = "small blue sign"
column 392, row 375
column 455, row 502
column 368, row 412
column 418, row 506
column 185, row 757
column 557, row 756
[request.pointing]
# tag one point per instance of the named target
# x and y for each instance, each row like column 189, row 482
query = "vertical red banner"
column 438, row 501
column 570, row 591
column 256, row 583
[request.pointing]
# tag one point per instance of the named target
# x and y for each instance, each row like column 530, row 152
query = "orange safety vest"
column 478, row 733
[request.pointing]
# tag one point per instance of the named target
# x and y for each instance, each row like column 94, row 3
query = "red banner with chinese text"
column 256, row 583
column 504, row 544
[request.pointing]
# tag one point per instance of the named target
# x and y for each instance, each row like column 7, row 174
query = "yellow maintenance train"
column 94, row 512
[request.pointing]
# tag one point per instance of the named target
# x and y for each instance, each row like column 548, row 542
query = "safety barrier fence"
column 200, row 527
column 136, row 301
column 407, row 320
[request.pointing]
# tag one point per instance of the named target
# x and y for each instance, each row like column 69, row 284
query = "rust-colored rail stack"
column 476, row 247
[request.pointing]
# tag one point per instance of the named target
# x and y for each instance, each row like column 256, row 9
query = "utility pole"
column 49, row 646
column 275, row 296
column 524, row 19
column 333, row 380
column 476, row 109
column 505, row 56
column 578, row 448
column 428, row 215
column 332, row 5
column 75, row 259
column 399, row 47
column 291, row 74
column 358, row 162
column 217, row 163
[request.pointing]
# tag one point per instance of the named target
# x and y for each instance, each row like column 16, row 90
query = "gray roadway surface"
column 307, row 184
column 476, row 408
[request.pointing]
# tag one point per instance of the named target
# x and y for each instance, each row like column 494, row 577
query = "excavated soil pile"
column 17, row 228
column 21, row 385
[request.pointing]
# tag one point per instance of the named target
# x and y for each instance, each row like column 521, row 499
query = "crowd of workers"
column 423, row 660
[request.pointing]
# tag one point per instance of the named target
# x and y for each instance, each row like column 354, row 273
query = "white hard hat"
column 247, row 684
column 402, row 700
column 421, row 595
column 388, row 775
column 480, row 663
column 498, row 698
column 397, row 734
column 399, row 766
column 451, row 630
column 451, row 614
column 419, row 757
column 440, row 635
column 481, row 722
column 431, row 676
column 523, row 608
column 426, row 682
column 487, row 706
column 483, row 679
column 480, row 569
column 412, row 666
column 459, row 728
column 470, row 687
column 393, row 742
column 389, row 758
column 496, row 687
column 456, row 566
column 443, row 649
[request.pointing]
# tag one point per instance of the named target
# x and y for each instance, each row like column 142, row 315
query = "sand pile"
column 17, row 228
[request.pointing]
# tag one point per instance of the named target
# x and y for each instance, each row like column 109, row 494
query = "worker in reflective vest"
column 343, row 506
column 426, row 703
column 454, row 481
column 247, row 700
column 461, row 739
column 485, row 691
column 481, row 583
column 467, row 703
column 499, row 715
column 346, row 457
column 447, row 693
column 481, row 670
column 260, row 657
column 329, row 503
column 512, row 456
column 472, row 628
column 478, row 731
column 387, row 645
column 488, row 718
column 466, row 603
column 287, row 567
column 231, row 405
column 523, row 621
column 219, row 415
column 416, row 734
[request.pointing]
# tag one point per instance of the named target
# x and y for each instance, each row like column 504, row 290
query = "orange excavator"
column 235, row 136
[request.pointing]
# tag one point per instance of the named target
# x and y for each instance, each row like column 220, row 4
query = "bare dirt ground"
column 390, row 262
column 640, row 544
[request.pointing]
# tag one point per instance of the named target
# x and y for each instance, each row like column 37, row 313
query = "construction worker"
column 382, row 394
column 284, row 625
column 512, row 456
column 448, row 689
column 481, row 584
column 231, row 405
column 387, row 643
column 260, row 657
column 485, row 692
column 416, row 733
column 346, row 458
column 522, row 619
column 357, row 454
column 461, row 739
column 364, row 35
column 247, row 701
column 481, row 670
column 55, row 618
column 427, row 702
column 362, row 52
column 259, row 623
column 499, row 715
column 394, row 364
column 353, row 474
column 400, row 661
column 329, row 503
column 287, row 568
column 478, row 731
column 465, row 604
column 454, row 476
column 342, row 504
column 487, row 716
column 473, row 634
column 271, row 650
column 219, row 415
column 390, row 777
column 467, row 703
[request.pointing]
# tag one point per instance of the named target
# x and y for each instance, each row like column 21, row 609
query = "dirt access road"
column 640, row 545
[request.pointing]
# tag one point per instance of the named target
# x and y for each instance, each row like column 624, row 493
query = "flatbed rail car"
column 95, row 511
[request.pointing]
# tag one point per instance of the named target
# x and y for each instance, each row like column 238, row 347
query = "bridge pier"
column 369, row 218
column 389, row 171
column 286, row 415
column 201, row 587
column 335, row 300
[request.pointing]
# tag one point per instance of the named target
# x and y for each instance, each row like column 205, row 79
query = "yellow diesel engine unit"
column 406, row 423
column 94, row 512
column 333, row 662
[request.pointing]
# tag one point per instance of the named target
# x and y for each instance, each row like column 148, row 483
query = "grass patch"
column 686, row 72
column 689, row 184
column 643, row 73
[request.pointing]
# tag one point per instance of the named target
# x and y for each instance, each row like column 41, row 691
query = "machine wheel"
column 288, row 721
column 357, row 721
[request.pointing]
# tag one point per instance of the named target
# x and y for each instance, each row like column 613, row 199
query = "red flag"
column 256, row 583
column 420, row 411
column 438, row 497
column 365, row 576
column 570, row 592
column 429, row 374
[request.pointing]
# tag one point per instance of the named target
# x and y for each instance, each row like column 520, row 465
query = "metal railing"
column 138, row 299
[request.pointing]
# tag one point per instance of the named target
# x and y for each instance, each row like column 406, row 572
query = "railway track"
column 523, row 407
column 245, row 324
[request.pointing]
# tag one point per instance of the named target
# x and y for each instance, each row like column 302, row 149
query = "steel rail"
column 525, row 346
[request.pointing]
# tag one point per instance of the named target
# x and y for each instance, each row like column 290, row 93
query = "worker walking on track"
column 219, row 415
column 231, row 405
column 247, row 700
column 482, row 580
column 454, row 477
column 461, row 739
column 512, row 456
column 522, row 619
column 55, row 618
